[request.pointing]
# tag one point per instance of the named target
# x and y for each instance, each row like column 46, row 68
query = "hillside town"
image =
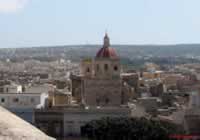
column 59, row 97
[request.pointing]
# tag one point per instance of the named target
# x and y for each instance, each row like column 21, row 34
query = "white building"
column 14, row 88
column 194, row 100
column 22, row 100
column 23, row 104
column 192, row 114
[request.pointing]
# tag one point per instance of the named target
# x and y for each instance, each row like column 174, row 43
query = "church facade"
column 100, row 90
column 99, row 82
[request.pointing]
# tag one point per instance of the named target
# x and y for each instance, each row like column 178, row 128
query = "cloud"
column 12, row 6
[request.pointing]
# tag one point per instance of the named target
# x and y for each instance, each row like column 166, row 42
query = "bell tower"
column 101, row 81
column 107, row 64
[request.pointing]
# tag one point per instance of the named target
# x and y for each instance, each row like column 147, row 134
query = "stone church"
column 100, row 81
column 100, row 90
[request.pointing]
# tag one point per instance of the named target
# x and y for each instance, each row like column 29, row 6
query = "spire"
column 106, row 41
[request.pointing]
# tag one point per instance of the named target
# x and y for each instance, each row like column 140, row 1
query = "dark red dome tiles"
column 106, row 52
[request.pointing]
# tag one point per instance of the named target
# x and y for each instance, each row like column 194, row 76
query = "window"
column 97, row 67
column 115, row 68
column 15, row 100
column 88, row 69
column 122, row 98
column 70, row 122
column 107, row 100
column 98, row 101
column 32, row 100
column 57, row 129
column 2, row 100
column 106, row 67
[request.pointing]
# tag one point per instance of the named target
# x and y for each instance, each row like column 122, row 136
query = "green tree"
column 128, row 129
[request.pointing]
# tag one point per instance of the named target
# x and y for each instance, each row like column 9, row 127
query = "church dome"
column 106, row 51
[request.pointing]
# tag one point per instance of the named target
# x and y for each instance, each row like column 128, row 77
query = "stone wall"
column 102, row 92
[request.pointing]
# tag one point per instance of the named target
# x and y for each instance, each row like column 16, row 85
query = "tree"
column 128, row 129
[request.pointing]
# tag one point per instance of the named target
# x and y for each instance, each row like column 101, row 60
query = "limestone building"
column 192, row 114
column 61, row 122
column 99, row 82
column 23, row 104
column 99, row 91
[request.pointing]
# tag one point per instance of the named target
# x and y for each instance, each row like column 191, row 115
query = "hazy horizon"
column 35, row 23
column 99, row 45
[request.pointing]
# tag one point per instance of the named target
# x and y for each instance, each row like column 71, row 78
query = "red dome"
column 106, row 52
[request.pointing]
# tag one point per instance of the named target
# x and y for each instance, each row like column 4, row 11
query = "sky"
column 28, row 23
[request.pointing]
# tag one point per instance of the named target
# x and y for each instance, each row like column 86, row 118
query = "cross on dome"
column 106, row 41
column 106, row 51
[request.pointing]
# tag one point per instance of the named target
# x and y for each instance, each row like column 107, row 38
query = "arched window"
column 98, row 101
column 122, row 98
column 107, row 100
column 106, row 67
column 115, row 68
column 15, row 100
column 2, row 100
column 88, row 69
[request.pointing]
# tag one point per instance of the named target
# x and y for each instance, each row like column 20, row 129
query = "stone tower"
column 107, row 63
column 101, row 82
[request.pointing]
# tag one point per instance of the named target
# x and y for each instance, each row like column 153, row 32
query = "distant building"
column 192, row 114
column 14, row 88
column 170, row 80
column 152, row 74
column 100, row 83
column 192, row 121
column 67, row 121
column 23, row 104
column 156, row 90
column 149, row 103
column 151, row 67
column 131, row 79
column 194, row 100
column 57, row 98
column 99, row 91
